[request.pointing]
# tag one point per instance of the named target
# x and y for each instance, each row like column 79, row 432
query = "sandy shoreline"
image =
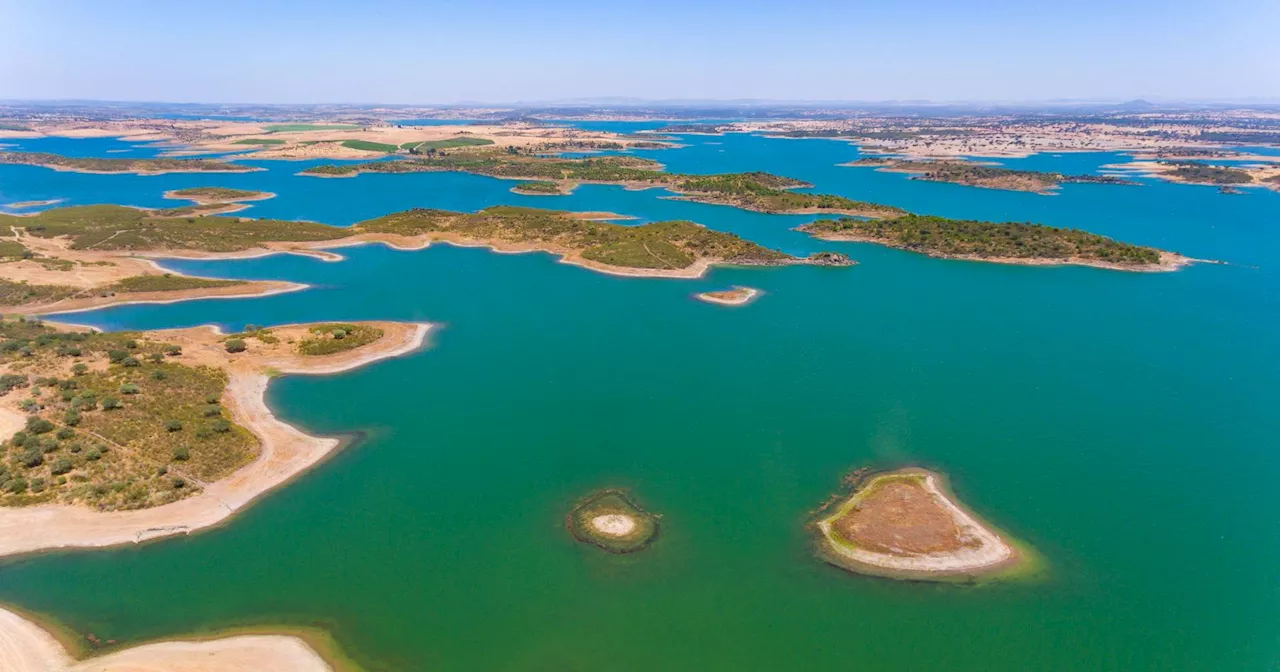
column 286, row 452
column 987, row 553
column 26, row 647
column 738, row 296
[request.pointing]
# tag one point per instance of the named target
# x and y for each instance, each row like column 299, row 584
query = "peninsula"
column 756, row 191
column 27, row 647
column 988, row 177
column 1008, row 243
column 104, row 243
column 157, row 166
column 906, row 525
column 121, row 437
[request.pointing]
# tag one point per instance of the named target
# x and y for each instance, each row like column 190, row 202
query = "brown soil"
column 899, row 518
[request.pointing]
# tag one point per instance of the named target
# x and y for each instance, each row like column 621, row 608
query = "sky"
column 503, row 51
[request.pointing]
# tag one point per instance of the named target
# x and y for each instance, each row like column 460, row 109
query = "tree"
column 38, row 425
column 235, row 345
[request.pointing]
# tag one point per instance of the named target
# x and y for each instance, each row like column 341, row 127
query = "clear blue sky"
column 282, row 51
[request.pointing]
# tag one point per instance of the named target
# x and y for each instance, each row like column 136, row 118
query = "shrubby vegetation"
column 215, row 193
column 154, row 165
column 168, row 283
column 1193, row 171
column 656, row 245
column 333, row 338
column 943, row 237
column 114, row 227
column 758, row 191
column 111, row 415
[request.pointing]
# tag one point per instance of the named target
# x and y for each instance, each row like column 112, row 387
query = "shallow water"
column 1108, row 419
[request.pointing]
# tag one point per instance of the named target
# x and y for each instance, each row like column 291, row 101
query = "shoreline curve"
column 287, row 452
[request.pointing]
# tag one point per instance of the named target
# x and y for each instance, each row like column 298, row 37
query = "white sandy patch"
column 613, row 524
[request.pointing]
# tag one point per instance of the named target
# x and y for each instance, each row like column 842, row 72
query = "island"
column 611, row 521
column 738, row 296
column 542, row 188
column 985, row 176
column 1008, row 243
column 211, row 201
column 157, row 166
column 112, row 438
column 907, row 525
column 1262, row 171
column 81, row 257
column 756, row 191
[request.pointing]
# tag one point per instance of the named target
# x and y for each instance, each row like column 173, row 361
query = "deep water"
column 1123, row 424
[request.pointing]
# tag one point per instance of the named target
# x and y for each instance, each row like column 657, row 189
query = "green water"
column 1122, row 424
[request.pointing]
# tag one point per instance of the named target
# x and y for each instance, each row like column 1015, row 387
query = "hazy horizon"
column 503, row 52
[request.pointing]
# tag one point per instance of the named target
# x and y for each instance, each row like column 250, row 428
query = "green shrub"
column 62, row 466
column 130, row 362
column 80, row 369
column 129, row 388
column 111, row 404
column 38, row 425
column 173, row 426
column 235, row 345
column 159, row 374
column 181, row 453
column 66, row 433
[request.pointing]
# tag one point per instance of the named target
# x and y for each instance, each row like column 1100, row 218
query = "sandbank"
column 737, row 296
column 26, row 647
column 286, row 451
column 913, row 528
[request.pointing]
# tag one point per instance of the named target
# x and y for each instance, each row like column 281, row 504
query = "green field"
column 450, row 143
column 258, row 141
column 367, row 146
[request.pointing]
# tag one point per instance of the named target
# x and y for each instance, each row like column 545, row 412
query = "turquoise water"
column 1123, row 424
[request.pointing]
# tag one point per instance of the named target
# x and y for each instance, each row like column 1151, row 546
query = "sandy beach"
column 286, row 450
column 738, row 296
column 26, row 647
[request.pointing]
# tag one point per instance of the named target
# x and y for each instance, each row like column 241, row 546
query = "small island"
column 211, row 201
column 906, row 525
column 1008, row 243
column 542, row 188
column 738, row 296
column 985, row 176
column 609, row 520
